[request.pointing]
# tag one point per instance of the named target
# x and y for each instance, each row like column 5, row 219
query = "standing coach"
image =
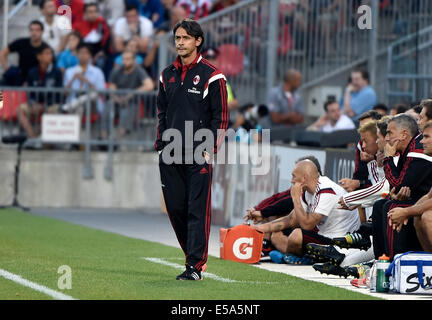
column 191, row 91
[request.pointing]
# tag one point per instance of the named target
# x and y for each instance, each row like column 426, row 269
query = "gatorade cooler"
column 241, row 243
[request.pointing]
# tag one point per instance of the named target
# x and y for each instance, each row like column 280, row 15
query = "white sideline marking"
column 204, row 274
column 26, row 283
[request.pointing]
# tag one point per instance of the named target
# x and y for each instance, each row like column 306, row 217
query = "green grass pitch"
column 110, row 266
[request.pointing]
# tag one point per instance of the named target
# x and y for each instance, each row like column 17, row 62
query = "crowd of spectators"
column 89, row 48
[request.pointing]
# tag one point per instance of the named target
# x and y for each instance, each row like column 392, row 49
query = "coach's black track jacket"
column 195, row 92
column 413, row 169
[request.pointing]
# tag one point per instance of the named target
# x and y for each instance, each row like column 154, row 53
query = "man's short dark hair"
column 380, row 106
column 42, row 48
column 427, row 125
column 382, row 125
column 327, row 103
column 406, row 122
column 84, row 45
column 36, row 22
column 417, row 109
column 427, row 103
column 192, row 28
column 90, row 4
column 131, row 6
column 373, row 114
column 401, row 108
column 364, row 73
column 42, row 3
column 313, row 159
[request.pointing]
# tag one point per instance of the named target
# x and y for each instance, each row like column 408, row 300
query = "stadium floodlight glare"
column 19, row 139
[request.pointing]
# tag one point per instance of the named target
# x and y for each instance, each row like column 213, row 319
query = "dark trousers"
column 187, row 192
column 385, row 239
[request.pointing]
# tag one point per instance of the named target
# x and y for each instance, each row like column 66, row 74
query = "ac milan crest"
column 196, row 79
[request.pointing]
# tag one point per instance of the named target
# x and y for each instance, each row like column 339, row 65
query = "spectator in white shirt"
column 56, row 27
column 86, row 79
column 333, row 119
column 132, row 26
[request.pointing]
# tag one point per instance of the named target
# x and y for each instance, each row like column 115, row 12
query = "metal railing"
column 261, row 39
column 8, row 15
column 110, row 120
column 409, row 68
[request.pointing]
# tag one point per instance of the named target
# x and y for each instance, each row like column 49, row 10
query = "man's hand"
column 366, row 156
column 342, row 205
column 297, row 190
column 398, row 217
column 380, row 159
column 403, row 194
column 390, row 151
column 349, row 184
column 253, row 215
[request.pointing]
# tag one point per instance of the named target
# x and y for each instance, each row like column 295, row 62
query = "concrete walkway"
column 154, row 226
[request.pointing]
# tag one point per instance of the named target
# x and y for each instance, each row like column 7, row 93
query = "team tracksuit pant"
column 385, row 239
column 187, row 192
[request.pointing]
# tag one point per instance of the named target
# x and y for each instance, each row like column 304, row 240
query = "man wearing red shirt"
column 95, row 32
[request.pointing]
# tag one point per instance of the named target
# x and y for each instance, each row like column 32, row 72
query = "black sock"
column 268, row 245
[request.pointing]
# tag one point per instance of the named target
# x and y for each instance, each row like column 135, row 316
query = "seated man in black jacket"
column 409, row 173
column 45, row 75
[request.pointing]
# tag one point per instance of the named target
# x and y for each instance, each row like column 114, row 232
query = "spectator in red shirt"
column 95, row 32
column 196, row 9
column 77, row 9
column 219, row 5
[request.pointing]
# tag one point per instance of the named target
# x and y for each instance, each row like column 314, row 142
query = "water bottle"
column 383, row 283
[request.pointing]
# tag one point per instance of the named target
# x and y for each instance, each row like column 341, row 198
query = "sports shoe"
column 353, row 240
column 329, row 268
column 320, row 253
column 293, row 259
column 190, row 274
column 276, row 256
column 279, row 257
column 358, row 270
